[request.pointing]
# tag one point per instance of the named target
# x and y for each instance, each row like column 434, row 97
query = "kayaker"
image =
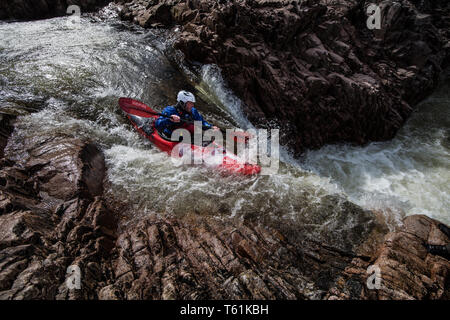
column 184, row 109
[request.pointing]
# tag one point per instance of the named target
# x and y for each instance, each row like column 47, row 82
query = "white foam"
column 212, row 77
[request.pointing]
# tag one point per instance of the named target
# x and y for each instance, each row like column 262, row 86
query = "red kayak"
column 143, row 118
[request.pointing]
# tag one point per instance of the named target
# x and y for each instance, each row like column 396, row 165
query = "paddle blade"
column 136, row 108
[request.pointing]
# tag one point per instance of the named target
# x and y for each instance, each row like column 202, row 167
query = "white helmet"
column 185, row 96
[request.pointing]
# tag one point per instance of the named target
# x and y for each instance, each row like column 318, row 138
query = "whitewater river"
column 64, row 80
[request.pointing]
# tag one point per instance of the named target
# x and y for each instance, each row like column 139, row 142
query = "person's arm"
column 163, row 122
column 198, row 117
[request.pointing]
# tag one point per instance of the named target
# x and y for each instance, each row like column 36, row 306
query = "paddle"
column 140, row 109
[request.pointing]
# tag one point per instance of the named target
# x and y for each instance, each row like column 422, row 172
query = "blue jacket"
column 166, row 125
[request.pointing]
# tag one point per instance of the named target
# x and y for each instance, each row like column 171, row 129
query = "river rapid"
column 66, row 81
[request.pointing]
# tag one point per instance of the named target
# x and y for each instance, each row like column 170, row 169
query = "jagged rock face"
column 314, row 66
column 407, row 271
column 39, row 9
column 204, row 258
column 52, row 216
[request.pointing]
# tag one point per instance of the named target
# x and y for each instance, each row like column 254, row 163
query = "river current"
column 66, row 80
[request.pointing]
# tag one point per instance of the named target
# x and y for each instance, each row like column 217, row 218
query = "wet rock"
column 315, row 68
column 52, row 217
column 406, row 270
column 201, row 258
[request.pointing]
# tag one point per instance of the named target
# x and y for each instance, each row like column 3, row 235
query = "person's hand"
column 215, row 128
column 175, row 118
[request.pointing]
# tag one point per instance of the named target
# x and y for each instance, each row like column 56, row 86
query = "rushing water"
column 409, row 173
column 72, row 78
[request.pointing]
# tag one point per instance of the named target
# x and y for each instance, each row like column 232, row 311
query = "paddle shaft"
column 181, row 120
column 169, row 117
column 192, row 122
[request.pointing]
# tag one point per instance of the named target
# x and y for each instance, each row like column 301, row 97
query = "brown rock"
column 407, row 271
column 52, row 217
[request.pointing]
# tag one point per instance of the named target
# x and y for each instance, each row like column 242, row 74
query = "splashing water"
column 410, row 173
column 73, row 78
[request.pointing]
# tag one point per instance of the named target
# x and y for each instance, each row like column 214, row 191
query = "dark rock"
column 201, row 258
column 315, row 67
column 52, row 217
column 6, row 128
